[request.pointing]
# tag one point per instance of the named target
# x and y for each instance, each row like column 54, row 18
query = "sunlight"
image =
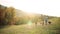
column 29, row 23
column 47, row 7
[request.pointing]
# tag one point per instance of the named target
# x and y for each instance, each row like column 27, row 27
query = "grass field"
column 31, row 29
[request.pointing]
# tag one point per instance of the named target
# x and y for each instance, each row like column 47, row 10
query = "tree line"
column 7, row 15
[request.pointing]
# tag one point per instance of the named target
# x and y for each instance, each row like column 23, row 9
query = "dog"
column 49, row 22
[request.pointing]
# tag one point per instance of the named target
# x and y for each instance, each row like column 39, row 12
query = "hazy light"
column 47, row 7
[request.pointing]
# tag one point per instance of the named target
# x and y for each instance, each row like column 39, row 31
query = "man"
column 46, row 20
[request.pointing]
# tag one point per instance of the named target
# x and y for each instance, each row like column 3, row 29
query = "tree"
column 2, row 15
column 9, row 15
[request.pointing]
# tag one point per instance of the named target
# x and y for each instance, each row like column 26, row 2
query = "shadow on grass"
column 4, row 26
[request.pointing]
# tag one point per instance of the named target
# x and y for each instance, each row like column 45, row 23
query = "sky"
column 47, row 7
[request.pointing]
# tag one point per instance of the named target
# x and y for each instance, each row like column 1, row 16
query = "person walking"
column 46, row 20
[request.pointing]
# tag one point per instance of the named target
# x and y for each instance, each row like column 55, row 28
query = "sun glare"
column 29, row 23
